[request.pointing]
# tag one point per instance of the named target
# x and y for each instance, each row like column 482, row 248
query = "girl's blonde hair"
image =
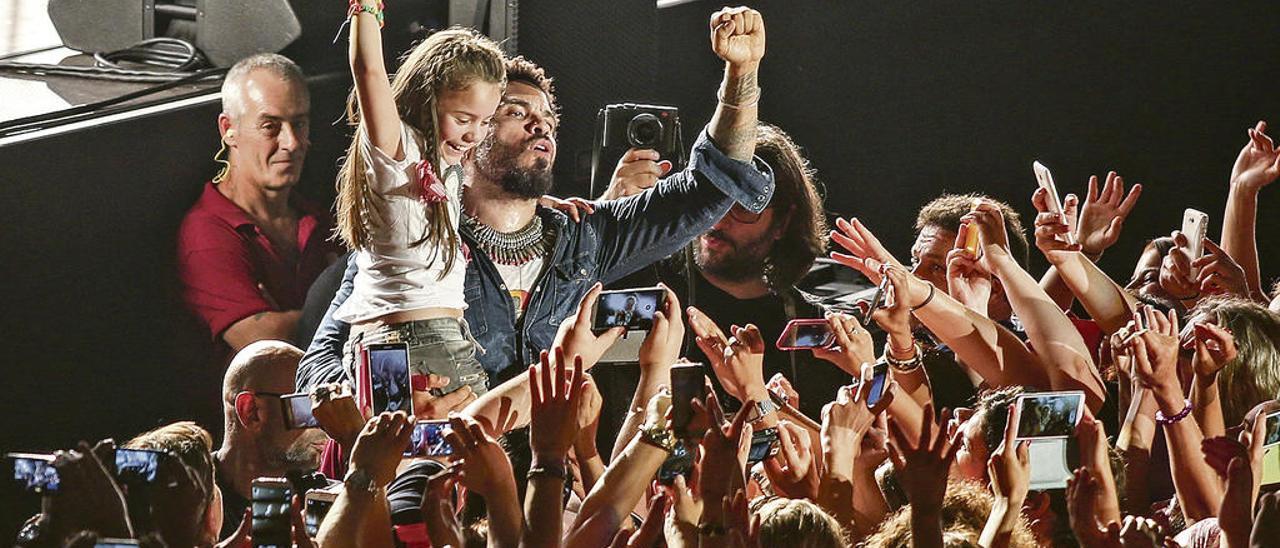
column 1254, row 375
column 450, row 59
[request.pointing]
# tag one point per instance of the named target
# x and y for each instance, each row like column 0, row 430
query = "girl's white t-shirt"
column 393, row 275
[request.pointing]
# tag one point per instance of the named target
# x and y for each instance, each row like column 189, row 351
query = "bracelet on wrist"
column 752, row 99
column 908, row 365
column 659, row 437
column 559, row 471
column 357, row 7
column 927, row 300
column 1165, row 420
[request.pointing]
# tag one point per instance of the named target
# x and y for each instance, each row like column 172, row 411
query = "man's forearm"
column 278, row 326
column 733, row 126
column 504, row 408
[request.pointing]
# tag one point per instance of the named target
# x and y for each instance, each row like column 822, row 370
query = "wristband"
column 558, row 472
column 659, row 437
column 927, row 300
column 908, row 365
column 357, row 7
column 1163, row 420
column 754, row 100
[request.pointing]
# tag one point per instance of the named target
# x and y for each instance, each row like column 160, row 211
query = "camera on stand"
column 623, row 126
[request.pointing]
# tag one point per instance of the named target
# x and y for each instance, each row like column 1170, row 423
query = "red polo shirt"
column 229, row 269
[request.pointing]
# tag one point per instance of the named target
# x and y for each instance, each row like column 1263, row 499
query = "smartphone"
column 688, row 381
column 296, row 408
column 764, row 444
column 806, row 334
column 972, row 241
column 35, row 472
column 389, row 377
column 427, row 439
column 879, row 300
column 1271, row 431
column 879, row 382
column 678, row 463
column 1048, row 414
column 137, row 466
column 1195, row 225
column 315, row 506
column 271, row 499
column 629, row 308
column 1045, row 179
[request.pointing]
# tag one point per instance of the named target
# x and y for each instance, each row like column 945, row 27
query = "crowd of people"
column 1154, row 416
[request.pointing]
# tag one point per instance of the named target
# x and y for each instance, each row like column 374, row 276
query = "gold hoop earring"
column 226, row 164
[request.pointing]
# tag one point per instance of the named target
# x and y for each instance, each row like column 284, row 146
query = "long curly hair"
column 804, row 236
column 1254, row 375
column 451, row 59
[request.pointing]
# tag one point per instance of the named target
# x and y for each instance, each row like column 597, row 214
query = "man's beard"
column 499, row 162
column 299, row 455
column 743, row 262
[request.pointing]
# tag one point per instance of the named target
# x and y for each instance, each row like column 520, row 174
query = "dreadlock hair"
column 451, row 59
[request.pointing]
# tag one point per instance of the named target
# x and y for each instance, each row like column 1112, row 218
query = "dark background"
column 894, row 103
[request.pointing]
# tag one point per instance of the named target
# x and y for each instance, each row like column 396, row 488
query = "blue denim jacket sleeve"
column 639, row 230
column 322, row 364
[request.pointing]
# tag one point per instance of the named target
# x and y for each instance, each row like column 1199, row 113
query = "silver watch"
column 761, row 409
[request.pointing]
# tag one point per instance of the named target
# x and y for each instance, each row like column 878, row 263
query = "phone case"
column 1045, row 179
column 1195, row 226
column 1074, row 421
column 793, row 324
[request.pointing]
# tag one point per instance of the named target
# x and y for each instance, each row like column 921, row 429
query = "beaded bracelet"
column 1163, row 420
column 357, row 7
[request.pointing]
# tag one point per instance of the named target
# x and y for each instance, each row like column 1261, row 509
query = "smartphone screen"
column 806, row 334
column 137, row 465
column 879, row 382
column 1048, row 414
column 427, row 439
column 1271, row 432
column 297, row 411
column 271, row 501
column 35, row 472
column 678, row 463
column 763, row 445
column 629, row 308
column 688, row 381
column 389, row 378
column 314, row 508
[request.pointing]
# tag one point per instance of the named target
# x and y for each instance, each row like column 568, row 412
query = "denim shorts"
column 438, row 346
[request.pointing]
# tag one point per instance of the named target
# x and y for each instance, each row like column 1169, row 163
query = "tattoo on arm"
column 733, row 127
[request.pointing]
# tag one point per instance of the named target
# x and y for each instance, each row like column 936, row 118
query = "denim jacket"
column 622, row 236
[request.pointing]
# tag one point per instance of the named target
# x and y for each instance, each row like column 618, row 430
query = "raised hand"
column 923, row 465
column 1176, row 274
column 1095, row 455
column 1217, row 273
column 844, row 424
column 484, row 466
column 1155, row 357
column 720, row 469
column 738, row 361
column 555, row 395
column 575, row 335
column 428, row 406
column 781, row 387
column 335, row 409
column 1010, row 466
column 853, row 345
column 1103, row 214
column 737, row 36
column 895, row 317
column 989, row 221
column 88, row 495
column 865, row 252
column 1051, row 229
column 576, row 208
column 968, row 279
column 380, row 446
column 588, row 418
column 1082, row 496
column 1215, row 348
column 793, row 471
column 637, row 170
column 661, row 347
column 682, row 514
column 439, row 513
column 1258, row 163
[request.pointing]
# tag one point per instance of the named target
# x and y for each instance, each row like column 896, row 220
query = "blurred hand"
column 924, row 464
column 1082, row 496
column 1218, row 274
column 428, row 406
column 555, row 395
column 1051, row 229
column 1009, row 466
column 1215, row 348
column 682, row 514
column 1176, row 276
column 781, row 387
column 719, row 467
column 865, row 253
column 1095, row 455
column 588, row 419
column 793, row 470
column 439, row 513
column 844, row 424
column 895, row 317
column 88, row 496
column 637, row 170
column 575, row 335
column 335, row 409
